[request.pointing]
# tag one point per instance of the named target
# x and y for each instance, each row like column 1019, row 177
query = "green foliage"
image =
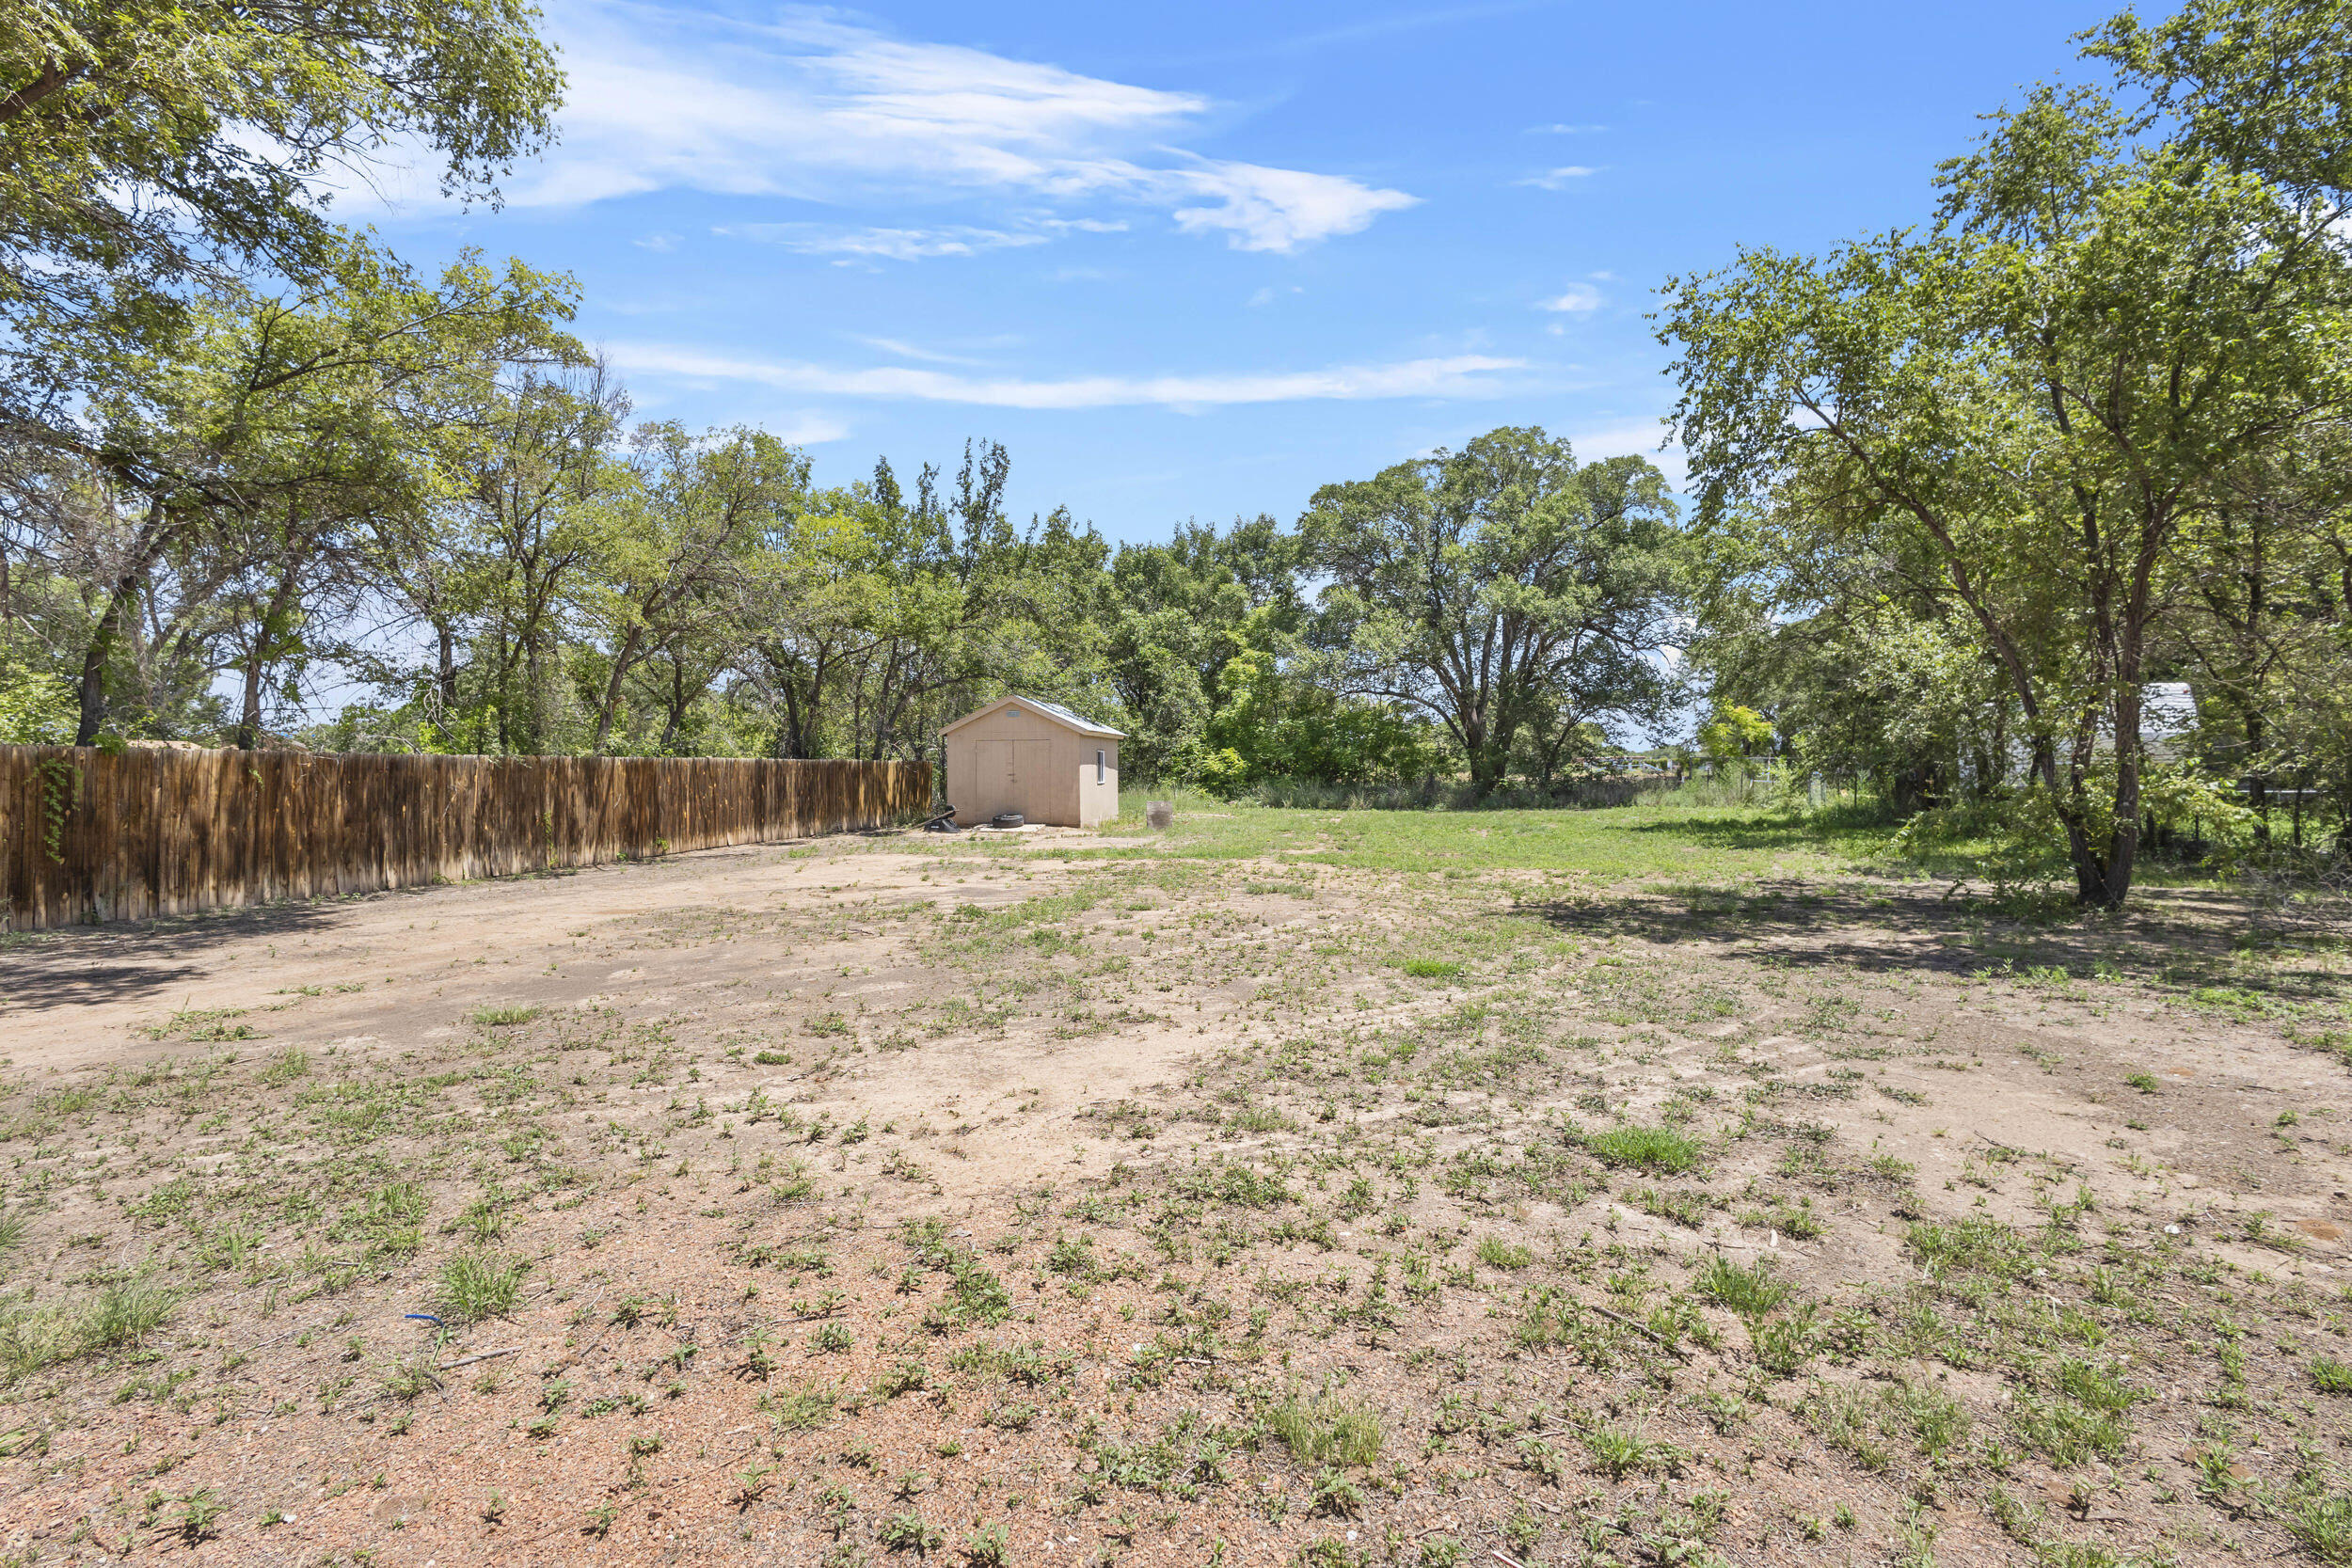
column 36, row 706
column 116, row 1316
column 1661, row 1151
column 1496, row 588
column 1495, row 1253
column 1885, row 435
column 473, row 1287
column 1734, row 732
column 1324, row 1429
column 1752, row 1290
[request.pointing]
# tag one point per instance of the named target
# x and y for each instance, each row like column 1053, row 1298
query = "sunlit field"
column 1347, row 1187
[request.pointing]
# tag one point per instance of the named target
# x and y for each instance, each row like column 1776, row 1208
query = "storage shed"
column 1036, row 758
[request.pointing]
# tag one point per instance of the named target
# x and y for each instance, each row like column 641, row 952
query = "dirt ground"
column 1062, row 1198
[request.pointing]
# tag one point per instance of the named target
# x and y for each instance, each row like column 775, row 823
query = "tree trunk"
column 95, row 657
column 678, row 706
column 248, row 734
column 445, row 676
column 623, row 659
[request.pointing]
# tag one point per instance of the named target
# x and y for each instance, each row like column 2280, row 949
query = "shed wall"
column 1051, row 767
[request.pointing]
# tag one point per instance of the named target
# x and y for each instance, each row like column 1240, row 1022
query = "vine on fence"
column 60, row 782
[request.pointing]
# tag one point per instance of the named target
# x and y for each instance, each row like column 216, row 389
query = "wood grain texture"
column 153, row 831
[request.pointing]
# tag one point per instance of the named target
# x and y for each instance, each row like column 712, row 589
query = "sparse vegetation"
column 1543, row 1236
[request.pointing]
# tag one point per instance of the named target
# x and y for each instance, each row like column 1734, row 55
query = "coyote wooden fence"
column 85, row 835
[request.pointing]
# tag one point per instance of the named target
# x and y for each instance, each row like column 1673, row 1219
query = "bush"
column 1217, row 771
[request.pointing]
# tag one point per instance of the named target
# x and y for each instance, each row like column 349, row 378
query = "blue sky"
column 1193, row 261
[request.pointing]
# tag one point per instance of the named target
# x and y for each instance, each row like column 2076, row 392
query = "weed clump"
column 120, row 1317
column 1325, row 1430
column 1751, row 1291
column 474, row 1286
column 1660, row 1151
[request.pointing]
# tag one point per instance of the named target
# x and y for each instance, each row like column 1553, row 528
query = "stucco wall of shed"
column 1060, row 789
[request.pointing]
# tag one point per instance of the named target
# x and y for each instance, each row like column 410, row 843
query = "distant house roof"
column 2167, row 708
column 1054, row 711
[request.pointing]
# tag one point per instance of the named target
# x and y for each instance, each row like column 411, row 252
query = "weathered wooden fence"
column 85, row 835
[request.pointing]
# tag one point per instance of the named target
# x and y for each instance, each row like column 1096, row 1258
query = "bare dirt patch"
column 1029, row 1203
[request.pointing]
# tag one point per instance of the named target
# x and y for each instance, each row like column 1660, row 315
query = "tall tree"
column 1481, row 585
column 2040, row 398
column 680, row 536
column 152, row 149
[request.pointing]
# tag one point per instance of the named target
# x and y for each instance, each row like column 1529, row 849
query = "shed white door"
column 1012, row 776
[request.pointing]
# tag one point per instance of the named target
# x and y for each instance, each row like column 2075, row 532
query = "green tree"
column 680, row 537
column 1733, row 734
column 2042, row 397
column 152, row 150
column 214, row 481
column 1477, row 586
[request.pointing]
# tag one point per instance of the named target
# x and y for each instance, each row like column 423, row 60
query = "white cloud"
column 1563, row 130
column 890, row 244
column 804, row 428
column 1456, row 375
column 904, row 350
column 817, row 109
column 1558, row 179
column 1576, row 299
column 1280, row 209
column 658, row 243
column 851, row 244
column 1631, row 437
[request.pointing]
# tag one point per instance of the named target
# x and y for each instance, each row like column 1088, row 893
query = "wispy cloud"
column 892, row 244
column 1456, row 375
column 804, row 430
column 1365, row 31
column 814, row 108
column 900, row 349
column 1563, row 130
column 1635, row 439
column 1558, row 179
column 1576, row 299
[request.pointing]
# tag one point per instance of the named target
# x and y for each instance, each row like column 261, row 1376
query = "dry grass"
column 942, row 1199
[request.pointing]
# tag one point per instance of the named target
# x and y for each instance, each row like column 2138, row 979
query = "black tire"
column 1007, row 819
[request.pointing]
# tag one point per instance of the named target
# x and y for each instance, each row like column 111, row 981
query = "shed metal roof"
column 1054, row 711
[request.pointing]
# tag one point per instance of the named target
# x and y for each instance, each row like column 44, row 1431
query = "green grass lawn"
column 1707, row 844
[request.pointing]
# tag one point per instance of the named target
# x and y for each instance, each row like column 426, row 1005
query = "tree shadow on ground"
column 75, row 966
column 1757, row 833
column 2185, row 940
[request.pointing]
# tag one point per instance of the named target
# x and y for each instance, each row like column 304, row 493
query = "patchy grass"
column 1660, row 1151
column 1639, row 1186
